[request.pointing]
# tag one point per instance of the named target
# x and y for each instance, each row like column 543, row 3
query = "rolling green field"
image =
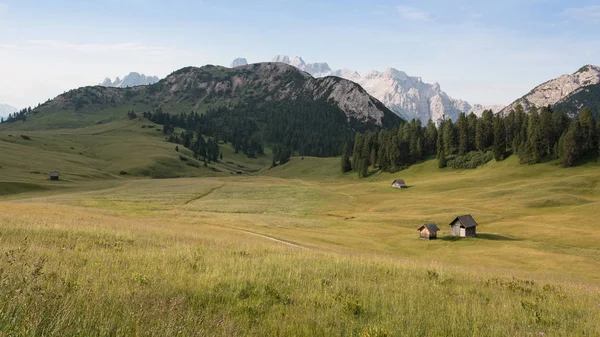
column 297, row 250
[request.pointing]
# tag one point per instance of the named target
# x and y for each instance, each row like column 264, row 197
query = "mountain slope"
column 132, row 79
column 197, row 89
column 6, row 109
column 555, row 90
column 407, row 96
column 588, row 96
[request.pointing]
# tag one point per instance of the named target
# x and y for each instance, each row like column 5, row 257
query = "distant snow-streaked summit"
column 407, row 96
column 131, row 80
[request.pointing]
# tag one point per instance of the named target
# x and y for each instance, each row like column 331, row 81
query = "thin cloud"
column 589, row 14
column 413, row 14
column 3, row 8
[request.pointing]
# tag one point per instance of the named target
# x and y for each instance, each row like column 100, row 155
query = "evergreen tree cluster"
column 306, row 128
column 392, row 149
column 17, row 116
column 534, row 136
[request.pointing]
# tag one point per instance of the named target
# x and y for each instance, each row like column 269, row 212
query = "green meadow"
column 139, row 239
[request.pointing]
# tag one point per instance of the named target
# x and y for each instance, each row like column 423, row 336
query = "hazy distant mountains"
column 6, row 109
column 560, row 89
column 407, row 96
column 131, row 80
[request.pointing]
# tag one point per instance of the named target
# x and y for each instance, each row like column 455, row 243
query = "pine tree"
column 356, row 153
column 449, row 138
column 535, row 143
column 442, row 161
column 480, row 135
column 499, row 139
column 570, row 144
column 598, row 138
column 588, row 131
column 462, row 129
column 346, row 165
column 472, row 125
column 431, row 134
column 440, row 142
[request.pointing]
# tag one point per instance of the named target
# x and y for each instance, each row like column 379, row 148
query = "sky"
column 486, row 52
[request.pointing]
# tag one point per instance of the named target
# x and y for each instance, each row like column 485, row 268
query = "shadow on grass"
column 481, row 236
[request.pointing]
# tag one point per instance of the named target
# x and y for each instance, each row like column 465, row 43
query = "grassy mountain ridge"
column 198, row 89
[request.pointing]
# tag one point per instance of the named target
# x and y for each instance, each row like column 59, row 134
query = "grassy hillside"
column 111, row 151
column 300, row 250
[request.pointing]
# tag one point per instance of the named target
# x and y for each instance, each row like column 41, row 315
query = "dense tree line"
column 306, row 128
column 540, row 134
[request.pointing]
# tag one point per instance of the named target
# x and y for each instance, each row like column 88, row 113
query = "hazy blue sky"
column 484, row 52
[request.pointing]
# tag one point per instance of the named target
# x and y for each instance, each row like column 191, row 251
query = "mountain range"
column 192, row 88
column 560, row 90
column 6, row 109
column 407, row 96
column 132, row 79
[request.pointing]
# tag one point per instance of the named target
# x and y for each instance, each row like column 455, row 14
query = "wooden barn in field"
column 464, row 226
column 429, row 231
column 399, row 183
column 54, row 175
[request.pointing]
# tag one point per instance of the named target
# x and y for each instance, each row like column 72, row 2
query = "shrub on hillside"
column 471, row 160
column 25, row 137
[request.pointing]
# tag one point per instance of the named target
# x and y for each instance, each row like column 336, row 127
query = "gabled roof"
column 466, row 220
column 430, row 227
column 54, row 173
column 399, row 181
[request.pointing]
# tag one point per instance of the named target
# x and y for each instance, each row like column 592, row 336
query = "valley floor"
column 302, row 250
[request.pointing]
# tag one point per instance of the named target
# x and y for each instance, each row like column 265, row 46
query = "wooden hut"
column 464, row 226
column 54, row 175
column 429, row 231
column 399, row 183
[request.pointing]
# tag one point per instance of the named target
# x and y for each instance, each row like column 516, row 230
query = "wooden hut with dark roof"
column 429, row 231
column 54, row 175
column 464, row 226
column 399, row 183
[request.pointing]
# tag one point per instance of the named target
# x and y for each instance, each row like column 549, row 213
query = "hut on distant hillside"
column 464, row 226
column 429, row 231
column 399, row 183
column 54, row 175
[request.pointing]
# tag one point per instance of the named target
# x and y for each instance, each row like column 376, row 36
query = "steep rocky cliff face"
column 553, row 91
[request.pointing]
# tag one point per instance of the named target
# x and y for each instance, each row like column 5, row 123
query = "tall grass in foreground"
column 89, row 274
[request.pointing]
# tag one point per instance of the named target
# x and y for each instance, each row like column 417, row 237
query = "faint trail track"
column 273, row 239
column 211, row 191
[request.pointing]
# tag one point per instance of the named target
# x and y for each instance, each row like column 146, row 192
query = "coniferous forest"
column 536, row 136
column 302, row 128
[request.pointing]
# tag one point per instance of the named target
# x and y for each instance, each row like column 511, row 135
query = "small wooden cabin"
column 399, row 183
column 429, row 231
column 464, row 226
column 54, row 175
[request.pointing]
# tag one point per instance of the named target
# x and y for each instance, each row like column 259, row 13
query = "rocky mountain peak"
column 553, row 91
column 282, row 59
column 298, row 62
column 238, row 62
column 132, row 79
column 409, row 97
